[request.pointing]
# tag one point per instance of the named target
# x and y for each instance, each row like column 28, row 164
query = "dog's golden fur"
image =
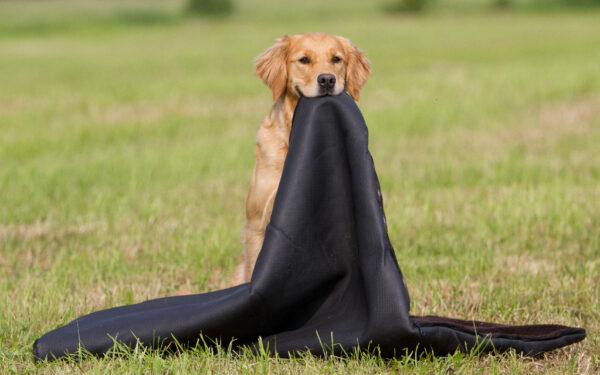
column 311, row 64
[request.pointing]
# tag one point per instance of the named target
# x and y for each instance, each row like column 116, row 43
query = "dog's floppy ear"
column 271, row 66
column 358, row 69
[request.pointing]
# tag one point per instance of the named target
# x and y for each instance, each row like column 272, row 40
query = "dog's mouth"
column 325, row 92
column 330, row 92
column 322, row 92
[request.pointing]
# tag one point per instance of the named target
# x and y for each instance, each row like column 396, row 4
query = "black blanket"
column 327, row 271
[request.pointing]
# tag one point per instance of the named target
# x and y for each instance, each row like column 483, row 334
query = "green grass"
column 126, row 147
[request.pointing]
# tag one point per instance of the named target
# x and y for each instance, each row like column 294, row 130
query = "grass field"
column 126, row 148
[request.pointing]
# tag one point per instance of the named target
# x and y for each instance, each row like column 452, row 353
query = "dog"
column 310, row 65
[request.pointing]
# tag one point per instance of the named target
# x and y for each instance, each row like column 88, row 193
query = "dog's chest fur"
column 272, row 138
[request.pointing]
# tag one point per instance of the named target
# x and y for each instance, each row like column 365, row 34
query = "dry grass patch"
column 536, row 129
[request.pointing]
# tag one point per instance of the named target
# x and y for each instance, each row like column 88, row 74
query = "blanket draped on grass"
column 326, row 273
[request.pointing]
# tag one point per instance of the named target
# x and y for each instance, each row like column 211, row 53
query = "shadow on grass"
column 88, row 21
column 131, row 17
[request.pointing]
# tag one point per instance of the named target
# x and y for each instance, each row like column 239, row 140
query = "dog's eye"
column 336, row 59
column 304, row 60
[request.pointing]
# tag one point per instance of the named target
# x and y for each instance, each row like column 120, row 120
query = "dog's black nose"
column 326, row 81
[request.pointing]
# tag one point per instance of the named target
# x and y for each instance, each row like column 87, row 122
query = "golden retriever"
column 311, row 64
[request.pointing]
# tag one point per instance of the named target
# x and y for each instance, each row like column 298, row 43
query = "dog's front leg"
column 259, row 206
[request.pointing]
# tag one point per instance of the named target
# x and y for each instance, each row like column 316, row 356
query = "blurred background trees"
column 416, row 6
column 209, row 7
column 408, row 5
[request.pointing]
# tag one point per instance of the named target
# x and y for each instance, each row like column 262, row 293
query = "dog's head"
column 313, row 64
